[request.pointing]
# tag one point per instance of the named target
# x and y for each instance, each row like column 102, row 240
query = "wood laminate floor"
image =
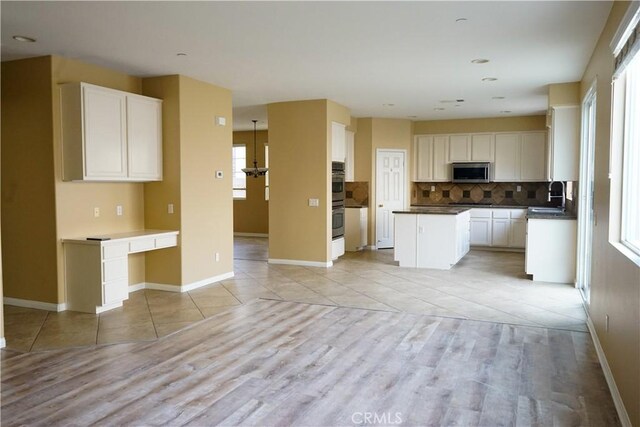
column 273, row 363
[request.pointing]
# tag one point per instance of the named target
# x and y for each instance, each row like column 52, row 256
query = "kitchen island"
column 431, row 237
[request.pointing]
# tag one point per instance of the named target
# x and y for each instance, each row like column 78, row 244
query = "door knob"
column 380, row 206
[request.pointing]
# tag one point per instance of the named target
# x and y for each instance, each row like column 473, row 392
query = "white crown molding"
column 39, row 305
column 300, row 262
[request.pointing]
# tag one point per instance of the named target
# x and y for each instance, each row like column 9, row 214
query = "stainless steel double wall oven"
column 337, row 199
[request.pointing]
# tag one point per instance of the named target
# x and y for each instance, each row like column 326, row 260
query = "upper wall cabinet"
column 520, row 156
column 110, row 135
column 564, row 143
column 349, row 161
column 338, row 142
column 471, row 148
column 431, row 164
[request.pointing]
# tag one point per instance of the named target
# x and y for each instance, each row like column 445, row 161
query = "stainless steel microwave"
column 470, row 172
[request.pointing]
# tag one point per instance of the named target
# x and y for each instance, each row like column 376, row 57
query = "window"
column 239, row 156
column 266, row 177
column 624, row 167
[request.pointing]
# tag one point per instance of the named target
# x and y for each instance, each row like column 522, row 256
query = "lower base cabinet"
column 551, row 250
column 498, row 227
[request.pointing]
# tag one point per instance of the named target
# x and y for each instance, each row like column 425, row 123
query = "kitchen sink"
column 547, row 211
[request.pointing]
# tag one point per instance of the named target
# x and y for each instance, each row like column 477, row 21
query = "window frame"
column 234, row 172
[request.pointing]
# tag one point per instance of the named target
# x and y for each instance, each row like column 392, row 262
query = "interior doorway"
column 390, row 193
column 586, row 217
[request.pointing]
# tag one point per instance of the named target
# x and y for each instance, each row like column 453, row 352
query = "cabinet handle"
column 380, row 206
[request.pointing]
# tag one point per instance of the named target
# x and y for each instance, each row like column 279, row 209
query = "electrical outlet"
column 96, row 212
column 170, row 208
column 433, row 188
column 314, row 203
column 518, row 188
column 217, row 256
column 606, row 323
column 119, row 210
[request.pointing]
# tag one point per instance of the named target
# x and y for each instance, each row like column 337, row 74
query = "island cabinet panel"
column 551, row 250
column 436, row 241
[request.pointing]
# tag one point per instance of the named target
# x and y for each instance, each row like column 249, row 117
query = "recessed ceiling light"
column 388, row 105
column 447, row 101
column 461, row 20
column 412, row 117
column 181, row 54
column 505, row 111
column 479, row 61
column 459, row 100
column 489, row 79
column 24, row 39
column 438, row 109
column 497, row 97
column 457, row 105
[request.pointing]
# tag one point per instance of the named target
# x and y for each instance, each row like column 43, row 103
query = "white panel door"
column 144, row 137
column 482, row 148
column 390, row 194
column 532, row 156
column 517, row 234
column 104, row 134
column 441, row 167
column 424, row 158
column 480, row 231
column 507, row 164
column 459, row 150
column 500, row 232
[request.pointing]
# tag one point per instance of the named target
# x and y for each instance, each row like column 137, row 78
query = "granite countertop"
column 355, row 206
column 471, row 205
column 546, row 215
column 434, row 210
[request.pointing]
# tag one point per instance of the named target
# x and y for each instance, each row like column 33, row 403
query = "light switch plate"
column 219, row 174
column 96, row 212
column 314, row 203
column 221, row 121
column 119, row 210
column 170, row 208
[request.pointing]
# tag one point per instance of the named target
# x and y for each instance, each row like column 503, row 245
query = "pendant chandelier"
column 255, row 171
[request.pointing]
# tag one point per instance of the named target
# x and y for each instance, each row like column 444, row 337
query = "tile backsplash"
column 496, row 193
column 357, row 193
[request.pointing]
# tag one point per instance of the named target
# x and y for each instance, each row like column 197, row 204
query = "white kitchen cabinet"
column 144, row 138
column 431, row 152
column 338, row 142
column 517, row 233
column 507, row 154
column 110, row 135
column 97, row 272
column 355, row 229
column 564, row 143
column 482, row 147
column 551, row 250
column 480, row 227
column 500, row 232
column 532, row 156
column 459, row 148
column 349, row 162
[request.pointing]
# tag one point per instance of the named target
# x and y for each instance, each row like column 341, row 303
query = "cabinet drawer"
column 115, row 291
column 480, row 213
column 518, row 213
column 141, row 245
column 115, row 251
column 166, row 242
column 501, row 213
column 114, row 269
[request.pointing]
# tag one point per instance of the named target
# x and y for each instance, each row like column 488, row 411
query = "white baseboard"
column 183, row 288
column 3, row 343
column 300, row 262
column 137, row 287
column 251, row 234
column 49, row 306
column 613, row 388
column 370, row 248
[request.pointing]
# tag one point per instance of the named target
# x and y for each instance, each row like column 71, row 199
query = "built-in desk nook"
column 97, row 267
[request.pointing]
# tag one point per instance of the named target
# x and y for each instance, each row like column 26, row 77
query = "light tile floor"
column 485, row 286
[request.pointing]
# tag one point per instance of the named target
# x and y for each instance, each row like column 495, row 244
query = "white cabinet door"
column 459, row 148
column 507, row 152
column 441, row 167
column 500, row 232
column 480, row 232
column 517, row 233
column 532, row 156
column 482, row 147
column 144, row 137
column 564, row 143
column 338, row 138
column 349, row 163
column 105, row 144
column 424, row 158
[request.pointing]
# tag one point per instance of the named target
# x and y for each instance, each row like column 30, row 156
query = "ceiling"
column 380, row 59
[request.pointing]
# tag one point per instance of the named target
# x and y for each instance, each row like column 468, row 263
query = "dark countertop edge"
column 355, row 206
column 470, row 206
column 551, row 216
column 439, row 211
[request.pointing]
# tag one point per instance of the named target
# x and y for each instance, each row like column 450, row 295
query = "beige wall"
column 564, row 94
column 615, row 288
column 492, row 124
column 28, row 198
column 299, row 164
column 194, row 149
column 251, row 215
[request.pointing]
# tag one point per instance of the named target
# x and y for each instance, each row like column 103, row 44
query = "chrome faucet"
column 555, row 197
